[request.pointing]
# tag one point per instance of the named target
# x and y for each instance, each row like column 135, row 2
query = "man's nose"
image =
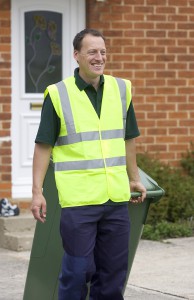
column 98, row 55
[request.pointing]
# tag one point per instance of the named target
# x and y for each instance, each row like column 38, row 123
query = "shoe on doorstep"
column 7, row 209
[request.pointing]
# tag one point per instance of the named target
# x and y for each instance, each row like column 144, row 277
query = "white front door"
column 42, row 34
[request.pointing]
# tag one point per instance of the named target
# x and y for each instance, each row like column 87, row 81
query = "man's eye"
column 91, row 52
column 95, row 52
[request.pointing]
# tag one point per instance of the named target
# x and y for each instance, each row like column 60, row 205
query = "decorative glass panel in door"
column 43, row 50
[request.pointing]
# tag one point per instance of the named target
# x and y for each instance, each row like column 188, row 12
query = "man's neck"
column 93, row 81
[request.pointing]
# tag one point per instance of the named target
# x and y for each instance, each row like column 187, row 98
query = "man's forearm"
column 131, row 162
column 133, row 173
column 41, row 160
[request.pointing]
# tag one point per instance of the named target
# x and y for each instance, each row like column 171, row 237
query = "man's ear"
column 75, row 55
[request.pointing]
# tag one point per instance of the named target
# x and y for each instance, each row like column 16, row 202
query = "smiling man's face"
column 91, row 57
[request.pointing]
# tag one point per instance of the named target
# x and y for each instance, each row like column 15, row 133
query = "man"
column 89, row 126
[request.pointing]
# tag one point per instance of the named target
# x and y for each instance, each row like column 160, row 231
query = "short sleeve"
column 132, row 130
column 49, row 126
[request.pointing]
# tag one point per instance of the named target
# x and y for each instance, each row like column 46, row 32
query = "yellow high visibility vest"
column 89, row 155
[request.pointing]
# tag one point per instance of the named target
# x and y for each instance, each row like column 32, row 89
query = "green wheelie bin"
column 46, row 254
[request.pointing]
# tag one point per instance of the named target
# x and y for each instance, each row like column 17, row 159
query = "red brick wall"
column 5, row 99
column 151, row 42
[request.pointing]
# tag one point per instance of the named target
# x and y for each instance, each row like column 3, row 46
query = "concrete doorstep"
column 16, row 233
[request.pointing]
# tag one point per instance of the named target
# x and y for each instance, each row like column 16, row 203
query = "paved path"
column 166, row 268
column 160, row 271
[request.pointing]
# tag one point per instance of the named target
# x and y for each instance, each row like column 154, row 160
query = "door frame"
column 22, row 181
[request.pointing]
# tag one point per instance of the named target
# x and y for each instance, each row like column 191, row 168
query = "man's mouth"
column 97, row 65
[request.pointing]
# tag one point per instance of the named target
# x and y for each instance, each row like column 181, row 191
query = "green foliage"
column 187, row 161
column 178, row 202
column 165, row 230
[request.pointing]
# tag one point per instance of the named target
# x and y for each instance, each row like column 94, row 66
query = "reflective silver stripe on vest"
column 66, row 107
column 115, row 161
column 122, row 88
column 112, row 134
column 77, row 137
column 90, row 164
column 89, row 136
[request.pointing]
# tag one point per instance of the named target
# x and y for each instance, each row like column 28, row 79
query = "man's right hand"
column 41, row 160
column 38, row 208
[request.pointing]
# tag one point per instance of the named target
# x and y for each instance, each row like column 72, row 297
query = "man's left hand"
column 137, row 186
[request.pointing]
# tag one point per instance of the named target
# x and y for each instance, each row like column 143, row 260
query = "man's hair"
column 77, row 42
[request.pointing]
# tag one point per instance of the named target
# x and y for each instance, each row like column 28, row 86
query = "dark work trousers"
column 95, row 240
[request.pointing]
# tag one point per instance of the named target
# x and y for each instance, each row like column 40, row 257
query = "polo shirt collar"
column 81, row 84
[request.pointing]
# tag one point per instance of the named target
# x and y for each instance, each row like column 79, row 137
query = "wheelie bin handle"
column 149, row 194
